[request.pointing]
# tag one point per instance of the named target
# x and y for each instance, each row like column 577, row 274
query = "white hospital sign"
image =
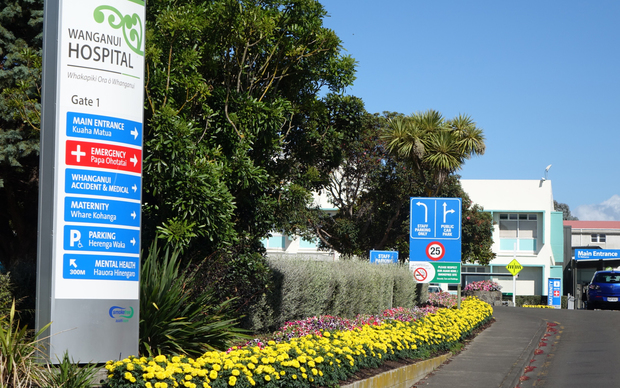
column 91, row 178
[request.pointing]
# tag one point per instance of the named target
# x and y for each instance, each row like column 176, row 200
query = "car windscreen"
column 606, row 278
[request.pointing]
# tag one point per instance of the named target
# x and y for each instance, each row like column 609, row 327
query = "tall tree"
column 372, row 189
column 565, row 209
column 237, row 133
column 233, row 89
column 433, row 144
column 21, row 35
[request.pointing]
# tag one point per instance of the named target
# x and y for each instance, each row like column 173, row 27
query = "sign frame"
column 92, row 96
column 383, row 257
column 596, row 254
column 435, row 239
column 554, row 292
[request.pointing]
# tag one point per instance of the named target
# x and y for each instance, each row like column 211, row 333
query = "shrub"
column 17, row 352
column 68, row 374
column 5, row 294
column 443, row 299
column 176, row 319
column 307, row 288
column 483, row 285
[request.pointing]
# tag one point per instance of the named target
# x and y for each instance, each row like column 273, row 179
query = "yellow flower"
column 232, row 381
column 235, row 372
column 213, row 375
column 294, row 377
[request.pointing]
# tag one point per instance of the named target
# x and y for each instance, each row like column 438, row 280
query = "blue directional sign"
column 98, row 239
column 102, row 211
column 383, row 257
column 109, row 184
column 554, row 295
column 597, row 254
column 435, row 230
column 104, row 128
column 101, row 267
column 433, row 218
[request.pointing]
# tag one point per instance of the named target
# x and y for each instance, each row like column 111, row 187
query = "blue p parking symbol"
column 75, row 236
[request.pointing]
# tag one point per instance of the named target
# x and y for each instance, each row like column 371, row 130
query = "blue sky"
column 542, row 79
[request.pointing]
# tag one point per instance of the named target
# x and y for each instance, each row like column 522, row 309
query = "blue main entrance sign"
column 597, row 254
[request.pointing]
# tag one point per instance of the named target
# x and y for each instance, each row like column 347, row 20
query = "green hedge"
column 307, row 288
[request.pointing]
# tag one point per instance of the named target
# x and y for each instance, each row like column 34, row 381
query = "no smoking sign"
column 420, row 275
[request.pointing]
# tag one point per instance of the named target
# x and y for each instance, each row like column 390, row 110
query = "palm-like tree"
column 434, row 147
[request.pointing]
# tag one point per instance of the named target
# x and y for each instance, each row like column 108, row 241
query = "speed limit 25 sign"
column 435, row 250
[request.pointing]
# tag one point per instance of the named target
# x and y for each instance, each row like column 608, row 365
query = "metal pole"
column 458, row 293
column 514, row 280
column 514, row 291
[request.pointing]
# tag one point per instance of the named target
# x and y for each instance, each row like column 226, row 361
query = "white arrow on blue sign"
column 435, row 229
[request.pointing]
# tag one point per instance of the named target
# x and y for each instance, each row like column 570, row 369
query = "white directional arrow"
column 72, row 263
column 425, row 210
column 134, row 187
column 445, row 212
column 134, row 160
column 133, row 215
column 134, row 133
column 132, row 241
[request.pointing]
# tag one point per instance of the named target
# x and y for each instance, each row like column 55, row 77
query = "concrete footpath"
column 497, row 356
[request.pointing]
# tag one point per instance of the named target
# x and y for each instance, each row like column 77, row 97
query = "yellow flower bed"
column 308, row 361
column 539, row 306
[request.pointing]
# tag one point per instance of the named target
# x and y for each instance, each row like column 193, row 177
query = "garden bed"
column 326, row 358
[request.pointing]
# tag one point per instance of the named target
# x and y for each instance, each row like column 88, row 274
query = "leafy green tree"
column 21, row 30
column 232, row 106
column 432, row 144
column 565, row 209
column 236, row 136
column 372, row 189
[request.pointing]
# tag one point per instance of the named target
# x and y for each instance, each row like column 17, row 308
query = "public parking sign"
column 435, row 239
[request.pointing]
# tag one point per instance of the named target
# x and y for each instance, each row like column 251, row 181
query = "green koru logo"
column 130, row 24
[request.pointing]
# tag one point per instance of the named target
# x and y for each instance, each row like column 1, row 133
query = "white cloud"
column 608, row 210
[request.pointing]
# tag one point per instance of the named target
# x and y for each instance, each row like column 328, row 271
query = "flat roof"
column 593, row 224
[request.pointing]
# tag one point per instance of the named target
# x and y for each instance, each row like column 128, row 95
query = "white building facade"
column 526, row 227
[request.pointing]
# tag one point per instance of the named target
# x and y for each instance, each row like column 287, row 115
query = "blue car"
column 604, row 290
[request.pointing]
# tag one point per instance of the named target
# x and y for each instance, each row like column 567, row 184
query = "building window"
column 520, row 229
column 598, row 238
